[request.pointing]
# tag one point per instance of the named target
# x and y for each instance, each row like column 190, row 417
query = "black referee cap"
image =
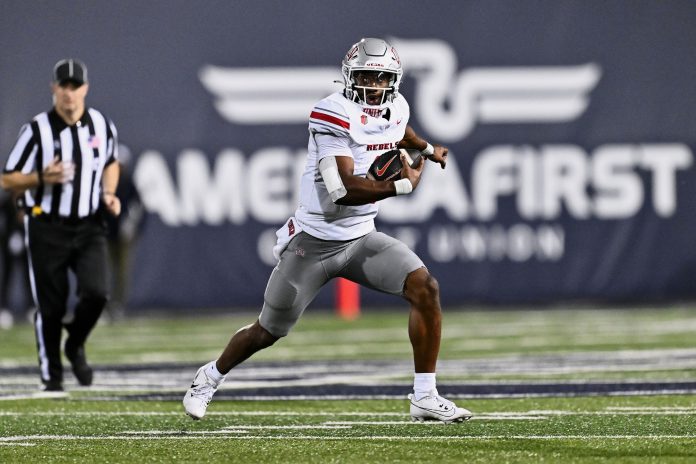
column 70, row 70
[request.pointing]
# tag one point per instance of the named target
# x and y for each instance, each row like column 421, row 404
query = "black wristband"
column 39, row 174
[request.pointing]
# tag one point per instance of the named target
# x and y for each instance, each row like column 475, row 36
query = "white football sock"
column 212, row 372
column 423, row 385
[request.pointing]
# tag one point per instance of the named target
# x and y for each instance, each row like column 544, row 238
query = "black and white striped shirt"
column 91, row 144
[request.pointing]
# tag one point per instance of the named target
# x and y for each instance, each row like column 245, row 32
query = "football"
column 387, row 166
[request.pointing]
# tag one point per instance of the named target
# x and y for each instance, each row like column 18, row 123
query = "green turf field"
column 106, row 423
column 625, row 429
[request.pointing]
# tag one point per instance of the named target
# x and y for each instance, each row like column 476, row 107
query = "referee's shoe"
column 76, row 356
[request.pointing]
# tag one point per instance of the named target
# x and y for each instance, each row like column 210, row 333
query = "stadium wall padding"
column 570, row 124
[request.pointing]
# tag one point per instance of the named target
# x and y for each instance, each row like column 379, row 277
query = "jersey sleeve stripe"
column 22, row 150
column 330, row 119
column 112, row 142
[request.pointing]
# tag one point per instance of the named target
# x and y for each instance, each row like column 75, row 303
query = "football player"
column 332, row 233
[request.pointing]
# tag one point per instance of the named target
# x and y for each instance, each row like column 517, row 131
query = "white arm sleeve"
column 332, row 179
column 328, row 147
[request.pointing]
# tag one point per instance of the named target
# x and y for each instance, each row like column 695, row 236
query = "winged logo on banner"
column 449, row 102
column 268, row 95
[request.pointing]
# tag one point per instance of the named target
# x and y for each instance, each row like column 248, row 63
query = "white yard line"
column 286, row 427
column 35, row 395
column 652, row 408
column 219, row 413
column 610, row 411
column 178, row 436
column 242, row 428
column 409, row 422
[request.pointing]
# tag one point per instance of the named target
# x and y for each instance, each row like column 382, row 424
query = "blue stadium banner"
column 571, row 128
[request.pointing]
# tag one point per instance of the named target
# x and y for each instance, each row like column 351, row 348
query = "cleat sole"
column 437, row 419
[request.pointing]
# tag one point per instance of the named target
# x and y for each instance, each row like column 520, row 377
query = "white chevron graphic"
column 448, row 103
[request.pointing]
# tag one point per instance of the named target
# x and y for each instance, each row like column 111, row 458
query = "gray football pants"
column 375, row 260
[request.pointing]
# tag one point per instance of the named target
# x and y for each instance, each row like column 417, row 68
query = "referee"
column 65, row 165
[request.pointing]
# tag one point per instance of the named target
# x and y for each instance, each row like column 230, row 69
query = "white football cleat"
column 435, row 407
column 201, row 392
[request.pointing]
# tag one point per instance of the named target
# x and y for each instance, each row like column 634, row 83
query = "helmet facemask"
column 371, row 87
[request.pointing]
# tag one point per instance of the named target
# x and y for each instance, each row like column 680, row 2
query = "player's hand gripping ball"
column 387, row 166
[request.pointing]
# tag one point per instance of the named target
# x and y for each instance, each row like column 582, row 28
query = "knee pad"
column 277, row 322
column 280, row 309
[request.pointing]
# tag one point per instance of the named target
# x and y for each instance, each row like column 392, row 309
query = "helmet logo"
column 363, row 119
column 395, row 56
column 352, row 53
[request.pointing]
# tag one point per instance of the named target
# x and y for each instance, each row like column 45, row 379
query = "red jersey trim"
column 330, row 119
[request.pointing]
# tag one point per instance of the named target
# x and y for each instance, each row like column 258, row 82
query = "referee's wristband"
column 428, row 150
column 403, row 186
column 39, row 175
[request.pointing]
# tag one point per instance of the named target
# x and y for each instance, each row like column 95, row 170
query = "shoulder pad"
column 329, row 115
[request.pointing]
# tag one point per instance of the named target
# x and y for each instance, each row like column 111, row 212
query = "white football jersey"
column 341, row 127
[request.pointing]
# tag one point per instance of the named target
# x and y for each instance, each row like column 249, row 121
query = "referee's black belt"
column 61, row 220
